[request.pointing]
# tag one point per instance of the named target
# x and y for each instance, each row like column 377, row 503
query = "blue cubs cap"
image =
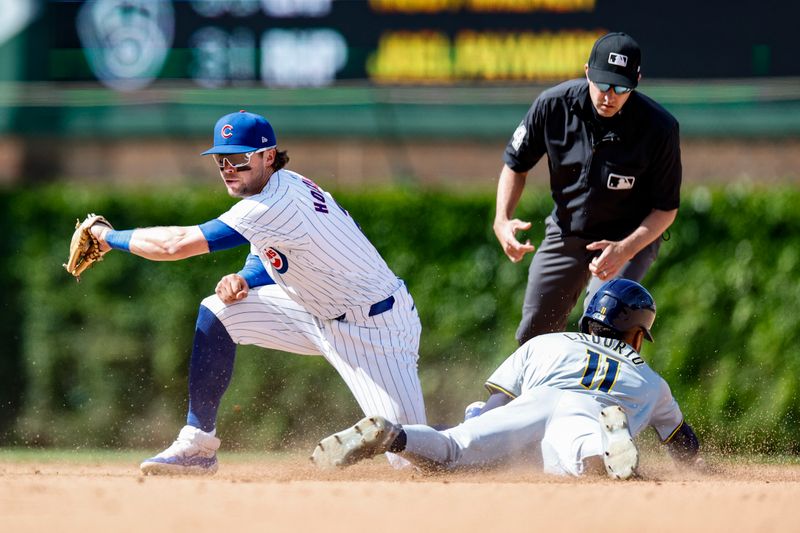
column 242, row 132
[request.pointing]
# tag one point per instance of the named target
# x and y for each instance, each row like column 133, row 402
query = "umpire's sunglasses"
column 237, row 161
column 605, row 87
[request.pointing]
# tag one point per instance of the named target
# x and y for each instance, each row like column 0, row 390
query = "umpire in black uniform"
column 615, row 176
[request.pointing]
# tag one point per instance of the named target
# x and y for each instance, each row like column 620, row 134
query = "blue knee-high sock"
column 210, row 369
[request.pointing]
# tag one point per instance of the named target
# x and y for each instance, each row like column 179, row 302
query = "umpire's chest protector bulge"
column 606, row 175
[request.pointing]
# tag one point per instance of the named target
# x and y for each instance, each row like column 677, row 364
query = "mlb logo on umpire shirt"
column 618, row 59
column 620, row 183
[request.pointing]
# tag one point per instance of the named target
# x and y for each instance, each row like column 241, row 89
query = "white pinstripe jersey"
column 608, row 369
column 311, row 246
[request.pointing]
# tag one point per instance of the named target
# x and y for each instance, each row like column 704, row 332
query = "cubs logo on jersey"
column 277, row 260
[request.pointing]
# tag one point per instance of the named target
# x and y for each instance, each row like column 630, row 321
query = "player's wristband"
column 119, row 240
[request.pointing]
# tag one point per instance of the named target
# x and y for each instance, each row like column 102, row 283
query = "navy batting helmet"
column 622, row 305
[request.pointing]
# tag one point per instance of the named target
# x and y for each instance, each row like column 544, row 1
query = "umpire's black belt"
column 376, row 308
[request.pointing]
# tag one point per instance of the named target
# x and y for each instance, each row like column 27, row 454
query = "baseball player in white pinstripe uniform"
column 313, row 284
column 569, row 402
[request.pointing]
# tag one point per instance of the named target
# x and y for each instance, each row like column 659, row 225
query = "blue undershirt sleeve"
column 254, row 272
column 220, row 236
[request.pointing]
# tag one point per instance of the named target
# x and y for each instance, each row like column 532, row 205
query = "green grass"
column 77, row 456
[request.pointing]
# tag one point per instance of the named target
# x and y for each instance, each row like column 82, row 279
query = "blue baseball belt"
column 375, row 309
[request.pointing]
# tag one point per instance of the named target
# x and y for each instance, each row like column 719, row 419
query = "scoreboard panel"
column 130, row 44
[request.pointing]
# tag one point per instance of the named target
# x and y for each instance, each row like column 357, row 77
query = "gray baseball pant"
column 545, row 426
column 559, row 272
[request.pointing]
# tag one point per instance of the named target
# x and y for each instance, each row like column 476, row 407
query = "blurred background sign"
column 393, row 72
column 127, row 44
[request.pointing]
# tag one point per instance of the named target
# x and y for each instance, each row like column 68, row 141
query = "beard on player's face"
column 242, row 183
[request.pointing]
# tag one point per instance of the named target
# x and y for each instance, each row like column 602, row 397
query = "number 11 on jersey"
column 594, row 364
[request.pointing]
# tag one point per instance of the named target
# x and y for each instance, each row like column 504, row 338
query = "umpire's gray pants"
column 559, row 272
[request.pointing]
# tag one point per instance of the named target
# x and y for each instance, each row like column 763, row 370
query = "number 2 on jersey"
column 594, row 363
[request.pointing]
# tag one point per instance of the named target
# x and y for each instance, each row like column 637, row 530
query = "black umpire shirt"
column 606, row 174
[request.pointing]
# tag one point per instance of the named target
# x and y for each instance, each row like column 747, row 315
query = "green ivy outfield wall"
column 104, row 362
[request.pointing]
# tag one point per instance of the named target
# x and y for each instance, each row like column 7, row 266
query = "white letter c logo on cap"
column 227, row 131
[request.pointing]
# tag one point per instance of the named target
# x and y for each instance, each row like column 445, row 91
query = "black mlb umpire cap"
column 616, row 59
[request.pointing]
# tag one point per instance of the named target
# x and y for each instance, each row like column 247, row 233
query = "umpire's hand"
column 506, row 230
column 232, row 288
column 613, row 256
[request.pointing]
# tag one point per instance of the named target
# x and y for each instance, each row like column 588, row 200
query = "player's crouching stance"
column 570, row 402
column 313, row 284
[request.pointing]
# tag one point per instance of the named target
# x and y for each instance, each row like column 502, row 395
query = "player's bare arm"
column 170, row 243
column 509, row 190
column 614, row 254
column 161, row 243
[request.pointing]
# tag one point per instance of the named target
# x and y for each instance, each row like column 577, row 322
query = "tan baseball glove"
column 84, row 249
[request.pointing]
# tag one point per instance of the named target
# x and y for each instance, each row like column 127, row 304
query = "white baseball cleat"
column 193, row 453
column 620, row 455
column 371, row 436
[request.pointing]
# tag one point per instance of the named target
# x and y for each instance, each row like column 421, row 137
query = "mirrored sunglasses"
column 237, row 161
column 605, row 87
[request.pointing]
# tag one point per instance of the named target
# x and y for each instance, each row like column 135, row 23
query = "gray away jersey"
column 311, row 246
column 608, row 369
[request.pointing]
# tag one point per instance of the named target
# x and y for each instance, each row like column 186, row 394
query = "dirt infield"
column 288, row 494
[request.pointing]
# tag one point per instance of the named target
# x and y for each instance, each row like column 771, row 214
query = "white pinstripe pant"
column 376, row 356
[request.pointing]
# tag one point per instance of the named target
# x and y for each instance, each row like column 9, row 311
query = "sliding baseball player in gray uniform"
column 570, row 402
column 313, row 284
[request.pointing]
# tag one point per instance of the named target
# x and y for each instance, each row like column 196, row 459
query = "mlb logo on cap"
column 615, row 59
column 618, row 59
column 242, row 132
